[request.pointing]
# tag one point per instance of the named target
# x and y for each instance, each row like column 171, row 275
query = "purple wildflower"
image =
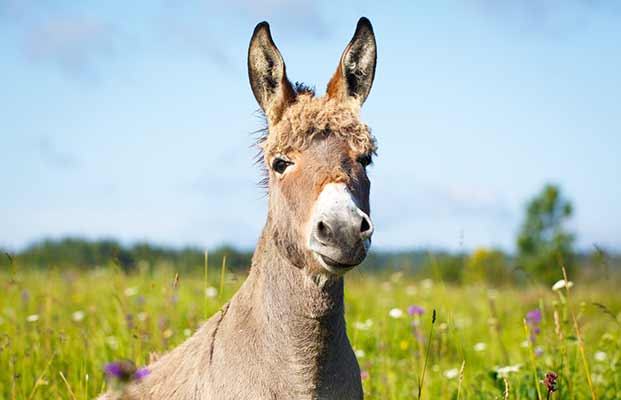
column 114, row 369
column 125, row 371
column 533, row 317
column 364, row 375
column 538, row 351
column 141, row 373
column 129, row 319
column 415, row 310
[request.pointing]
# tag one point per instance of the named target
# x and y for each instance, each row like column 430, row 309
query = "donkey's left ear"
column 354, row 75
column 267, row 74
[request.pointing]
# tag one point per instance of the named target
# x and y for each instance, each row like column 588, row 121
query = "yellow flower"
column 404, row 344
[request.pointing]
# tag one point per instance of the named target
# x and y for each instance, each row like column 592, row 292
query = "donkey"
column 282, row 335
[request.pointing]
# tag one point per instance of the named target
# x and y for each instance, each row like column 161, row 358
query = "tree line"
column 543, row 244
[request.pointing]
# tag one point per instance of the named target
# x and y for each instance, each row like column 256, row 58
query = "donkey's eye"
column 365, row 159
column 279, row 165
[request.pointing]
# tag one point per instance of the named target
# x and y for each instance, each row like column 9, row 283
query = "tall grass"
column 59, row 327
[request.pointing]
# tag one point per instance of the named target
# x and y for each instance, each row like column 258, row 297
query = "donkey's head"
column 316, row 152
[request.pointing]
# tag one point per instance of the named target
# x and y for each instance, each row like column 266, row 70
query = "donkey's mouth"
column 335, row 266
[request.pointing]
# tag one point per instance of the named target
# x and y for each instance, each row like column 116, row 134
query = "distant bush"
column 488, row 266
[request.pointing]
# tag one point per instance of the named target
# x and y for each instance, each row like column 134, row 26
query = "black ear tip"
column 364, row 24
column 261, row 26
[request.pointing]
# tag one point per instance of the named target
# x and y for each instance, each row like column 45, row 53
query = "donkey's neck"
column 290, row 291
column 302, row 318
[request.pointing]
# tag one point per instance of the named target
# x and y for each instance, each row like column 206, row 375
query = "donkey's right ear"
column 354, row 75
column 268, row 78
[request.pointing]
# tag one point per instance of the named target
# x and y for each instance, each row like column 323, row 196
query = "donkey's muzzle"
column 341, row 232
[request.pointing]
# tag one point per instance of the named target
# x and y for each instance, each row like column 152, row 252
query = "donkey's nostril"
column 365, row 227
column 323, row 231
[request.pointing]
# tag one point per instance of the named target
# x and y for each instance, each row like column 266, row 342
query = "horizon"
column 580, row 251
column 136, row 124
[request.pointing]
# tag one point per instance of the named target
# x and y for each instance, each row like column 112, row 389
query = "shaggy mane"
column 307, row 118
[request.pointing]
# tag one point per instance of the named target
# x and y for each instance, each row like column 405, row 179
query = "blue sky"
column 132, row 119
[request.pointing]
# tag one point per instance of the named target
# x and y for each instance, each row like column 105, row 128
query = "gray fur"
column 282, row 336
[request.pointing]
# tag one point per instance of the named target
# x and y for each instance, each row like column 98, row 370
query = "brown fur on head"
column 309, row 118
column 312, row 142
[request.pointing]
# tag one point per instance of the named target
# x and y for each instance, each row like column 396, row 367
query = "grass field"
column 59, row 327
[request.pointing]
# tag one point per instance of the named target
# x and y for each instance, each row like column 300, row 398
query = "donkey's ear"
column 266, row 70
column 354, row 76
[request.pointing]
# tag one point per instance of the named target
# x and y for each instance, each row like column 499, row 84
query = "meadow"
column 59, row 327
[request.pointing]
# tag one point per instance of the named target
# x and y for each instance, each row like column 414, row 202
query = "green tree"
column 543, row 238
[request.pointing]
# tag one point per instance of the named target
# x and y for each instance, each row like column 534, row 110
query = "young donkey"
column 282, row 336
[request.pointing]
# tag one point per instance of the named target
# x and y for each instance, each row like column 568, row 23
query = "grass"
column 59, row 327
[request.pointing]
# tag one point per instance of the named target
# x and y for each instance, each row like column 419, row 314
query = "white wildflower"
column 142, row 316
column 561, row 284
column 78, row 315
column 187, row 332
column 131, row 291
column 32, row 318
column 360, row 353
column 396, row 313
column 525, row 344
column 211, row 292
column 505, row 371
column 451, row 373
column 363, row 325
column 600, row 356
column 480, row 346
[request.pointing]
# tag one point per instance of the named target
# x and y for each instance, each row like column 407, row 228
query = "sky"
column 134, row 120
